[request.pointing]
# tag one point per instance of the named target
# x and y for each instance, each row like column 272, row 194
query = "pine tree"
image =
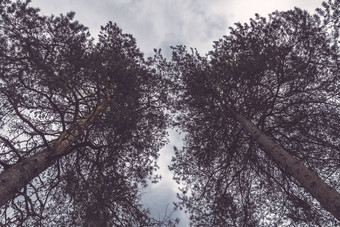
column 81, row 122
column 261, row 116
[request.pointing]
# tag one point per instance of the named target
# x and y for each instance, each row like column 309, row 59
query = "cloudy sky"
column 161, row 24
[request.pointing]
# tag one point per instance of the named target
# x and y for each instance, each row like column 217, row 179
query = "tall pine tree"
column 261, row 116
column 81, row 122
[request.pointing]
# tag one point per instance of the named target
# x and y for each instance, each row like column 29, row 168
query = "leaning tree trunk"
column 328, row 197
column 17, row 176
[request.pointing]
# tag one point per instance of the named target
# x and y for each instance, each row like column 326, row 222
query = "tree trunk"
column 17, row 176
column 328, row 197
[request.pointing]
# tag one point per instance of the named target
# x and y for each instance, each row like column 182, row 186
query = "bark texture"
column 16, row 177
column 328, row 197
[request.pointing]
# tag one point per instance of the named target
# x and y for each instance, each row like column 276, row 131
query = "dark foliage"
column 282, row 73
column 51, row 75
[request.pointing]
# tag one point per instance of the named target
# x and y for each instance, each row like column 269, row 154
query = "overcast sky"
column 161, row 24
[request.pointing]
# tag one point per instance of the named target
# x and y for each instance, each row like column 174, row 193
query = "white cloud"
column 161, row 23
column 243, row 10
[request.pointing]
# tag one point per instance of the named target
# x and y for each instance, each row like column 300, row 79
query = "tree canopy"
column 93, row 112
column 282, row 74
column 82, row 122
